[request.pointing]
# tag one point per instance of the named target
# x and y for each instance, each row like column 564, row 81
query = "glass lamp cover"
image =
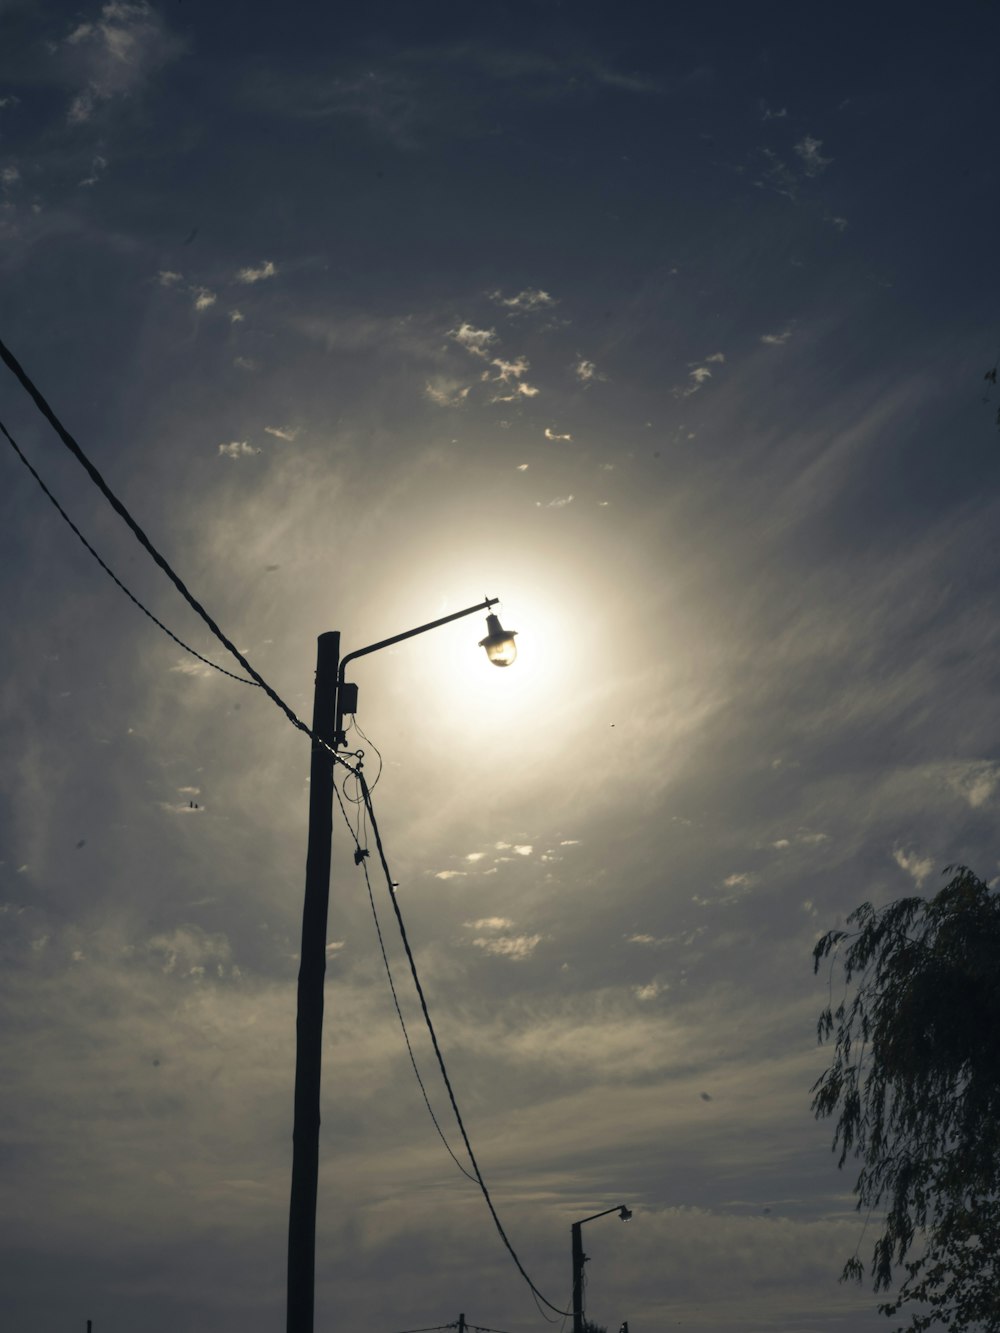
column 499, row 643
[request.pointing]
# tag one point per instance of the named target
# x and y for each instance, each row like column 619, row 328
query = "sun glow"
column 442, row 687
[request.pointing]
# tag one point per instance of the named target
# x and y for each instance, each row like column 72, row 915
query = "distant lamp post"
column 579, row 1259
column 499, row 643
column 334, row 699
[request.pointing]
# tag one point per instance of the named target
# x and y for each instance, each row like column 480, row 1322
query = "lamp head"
column 625, row 1213
column 499, row 642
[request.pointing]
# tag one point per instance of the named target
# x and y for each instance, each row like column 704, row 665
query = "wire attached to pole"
column 35, row 394
column 110, row 572
column 366, row 794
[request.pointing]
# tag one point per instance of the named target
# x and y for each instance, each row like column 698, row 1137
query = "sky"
column 666, row 326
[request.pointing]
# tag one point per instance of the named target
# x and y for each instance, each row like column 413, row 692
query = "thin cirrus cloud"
column 515, row 947
column 237, row 449
column 510, row 375
column 528, row 301
column 446, row 391
column 586, row 371
column 248, row 276
column 476, row 341
column 807, row 151
column 114, row 53
column 917, row 867
column 699, row 375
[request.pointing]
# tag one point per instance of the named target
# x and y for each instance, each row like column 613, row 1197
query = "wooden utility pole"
column 309, row 1017
column 579, row 1259
column 461, row 1323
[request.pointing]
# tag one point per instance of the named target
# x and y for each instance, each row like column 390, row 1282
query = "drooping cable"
column 366, row 793
column 433, row 1329
column 356, row 726
column 395, row 999
column 34, row 393
column 71, row 444
column 110, row 572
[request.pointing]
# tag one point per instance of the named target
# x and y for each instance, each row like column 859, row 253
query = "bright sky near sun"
column 668, row 328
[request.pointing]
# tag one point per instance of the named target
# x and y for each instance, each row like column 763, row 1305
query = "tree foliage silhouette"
column 915, row 1088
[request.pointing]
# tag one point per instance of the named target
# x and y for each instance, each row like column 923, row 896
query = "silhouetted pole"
column 579, row 1258
column 309, row 1014
column 461, row 1323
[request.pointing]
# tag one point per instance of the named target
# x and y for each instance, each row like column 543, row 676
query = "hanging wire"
column 356, row 726
column 7, row 356
column 12, row 363
column 360, row 859
column 440, row 1058
column 433, row 1329
column 110, row 572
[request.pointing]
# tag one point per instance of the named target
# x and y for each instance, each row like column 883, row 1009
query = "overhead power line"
column 360, row 858
column 7, row 356
column 366, row 795
column 110, row 572
column 21, row 375
column 433, row 1329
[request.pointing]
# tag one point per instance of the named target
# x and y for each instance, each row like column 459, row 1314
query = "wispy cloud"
column 776, row 339
column 559, row 502
column 531, row 299
column 975, row 782
column 237, row 449
column 114, row 53
column 777, row 175
column 98, row 166
column 203, row 298
column 808, row 152
column 699, row 375
column 515, row 947
column 446, row 391
column 648, row 992
column 490, row 923
column 168, row 278
column 586, row 372
column 510, row 374
column 288, row 433
column 917, row 867
column 550, row 434
column 252, row 275
column 476, row 341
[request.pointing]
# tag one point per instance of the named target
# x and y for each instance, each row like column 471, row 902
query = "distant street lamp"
column 579, row 1259
column 333, row 700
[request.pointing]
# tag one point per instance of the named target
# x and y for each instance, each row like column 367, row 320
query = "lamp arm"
column 398, row 638
column 593, row 1216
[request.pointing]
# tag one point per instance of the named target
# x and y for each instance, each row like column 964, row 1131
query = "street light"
column 579, row 1259
column 499, row 643
column 334, row 699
